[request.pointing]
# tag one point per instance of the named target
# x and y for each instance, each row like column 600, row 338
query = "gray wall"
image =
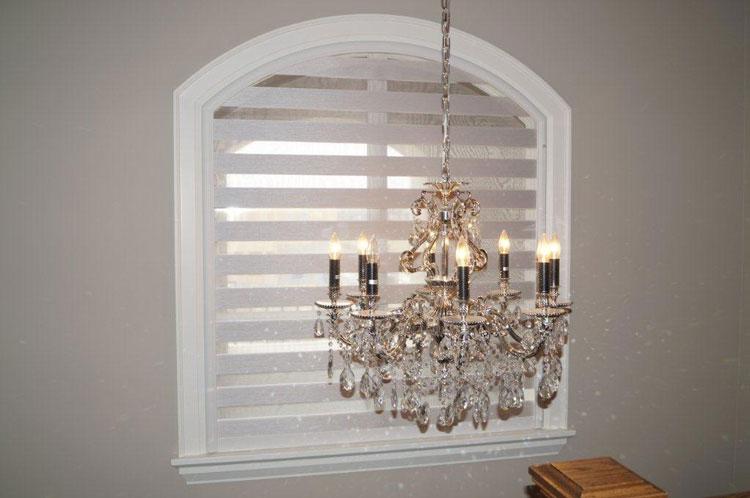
column 742, row 455
column 87, row 341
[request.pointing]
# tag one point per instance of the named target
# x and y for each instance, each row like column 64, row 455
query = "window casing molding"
column 194, row 104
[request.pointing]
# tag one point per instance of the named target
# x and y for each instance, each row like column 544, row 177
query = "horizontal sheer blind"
column 342, row 144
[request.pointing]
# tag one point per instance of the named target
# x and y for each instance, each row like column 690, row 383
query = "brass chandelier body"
column 441, row 353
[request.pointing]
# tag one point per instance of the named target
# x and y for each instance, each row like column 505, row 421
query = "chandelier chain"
column 445, row 80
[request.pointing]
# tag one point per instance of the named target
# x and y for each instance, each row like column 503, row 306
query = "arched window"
column 334, row 125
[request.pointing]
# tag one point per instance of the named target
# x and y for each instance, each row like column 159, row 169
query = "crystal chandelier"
column 441, row 345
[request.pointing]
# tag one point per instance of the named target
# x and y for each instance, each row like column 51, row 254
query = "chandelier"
column 441, row 345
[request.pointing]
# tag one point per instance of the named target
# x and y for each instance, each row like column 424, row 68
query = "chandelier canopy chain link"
column 445, row 80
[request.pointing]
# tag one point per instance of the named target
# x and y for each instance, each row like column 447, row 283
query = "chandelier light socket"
column 334, row 263
column 463, row 259
column 542, row 277
column 373, row 258
column 334, row 273
column 463, row 283
column 504, row 266
column 554, row 260
column 372, row 279
column 362, row 260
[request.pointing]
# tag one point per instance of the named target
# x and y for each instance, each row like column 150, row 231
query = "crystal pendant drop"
column 529, row 367
column 330, row 364
column 365, row 385
column 445, row 350
column 423, row 414
column 385, row 372
column 529, row 340
column 462, row 399
column 347, row 379
column 410, row 403
column 446, row 418
column 503, row 400
column 518, row 396
column 484, row 409
column 475, row 416
column 379, row 399
column 319, row 329
column 394, row 399
column 545, row 390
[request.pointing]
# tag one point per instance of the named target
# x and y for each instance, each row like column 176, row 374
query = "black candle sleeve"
column 504, row 265
column 463, row 283
column 334, row 273
column 554, row 271
column 372, row 279
column 542, row 277
column 362, row 271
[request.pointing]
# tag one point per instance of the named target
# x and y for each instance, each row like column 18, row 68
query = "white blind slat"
column 315, row 424
column 368, row 165
column 354, row 100
column 293, row 263
column 351, row 198
column 373, row 68
column 346, row 230
column 296, row 296
column 297, row 131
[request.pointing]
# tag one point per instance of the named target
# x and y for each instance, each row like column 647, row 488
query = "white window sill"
column 332, row 459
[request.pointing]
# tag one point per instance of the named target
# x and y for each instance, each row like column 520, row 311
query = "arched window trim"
column 194, row 104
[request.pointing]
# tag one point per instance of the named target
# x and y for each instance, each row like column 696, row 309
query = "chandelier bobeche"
column 440, row 343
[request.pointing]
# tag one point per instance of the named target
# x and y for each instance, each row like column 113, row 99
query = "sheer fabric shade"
column 342, row 144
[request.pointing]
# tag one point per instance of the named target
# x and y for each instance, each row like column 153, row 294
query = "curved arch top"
column 196, row 99
column 352, row 33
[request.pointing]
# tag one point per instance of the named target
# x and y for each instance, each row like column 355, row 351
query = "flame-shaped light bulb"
column 542, row 249
column 554, row 247
column 362, row 244
column 373, row 255
column 334, row 247
column 463, row 256
column 503, row 243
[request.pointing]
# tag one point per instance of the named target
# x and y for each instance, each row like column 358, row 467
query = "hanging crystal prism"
column 347, row 379
column 319, row 328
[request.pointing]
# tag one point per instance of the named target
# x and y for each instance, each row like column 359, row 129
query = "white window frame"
column 194, row 104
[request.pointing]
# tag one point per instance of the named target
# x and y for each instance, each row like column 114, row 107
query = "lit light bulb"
column 362, row 244
column 334, row 247
column 554, row 247
column 503, row 243
column 462, row 253
column 373, row 256
column 542, row 249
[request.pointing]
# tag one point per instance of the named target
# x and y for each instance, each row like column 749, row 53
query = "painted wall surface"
column 87, row 340
column 742, row 456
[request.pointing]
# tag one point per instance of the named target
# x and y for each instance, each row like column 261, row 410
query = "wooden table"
column 592, row 478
